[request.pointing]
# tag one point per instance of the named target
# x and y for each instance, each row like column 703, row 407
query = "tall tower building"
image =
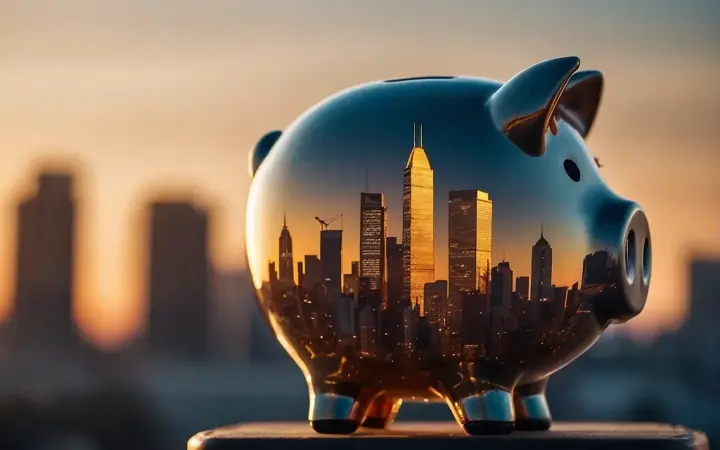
column 435, row 305
column 418, row 228
column 501, row 288
column 373, row 235
column 699, row 334
column 350, row 280
column 331, row 259
column 313, row 272
column 470, row 240
column 179, row 297
column 286, row 269
column 45, row 264
column 541, row 269
column 522, row 287
column 301, row 273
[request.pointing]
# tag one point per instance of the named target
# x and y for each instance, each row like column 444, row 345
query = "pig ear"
column 525, row 106
column 580, row 101
column 261, row 150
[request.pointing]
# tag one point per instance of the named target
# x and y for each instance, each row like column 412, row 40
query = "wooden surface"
column 450, row 436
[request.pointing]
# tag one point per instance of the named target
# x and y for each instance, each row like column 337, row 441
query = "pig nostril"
column 647, row 261
column 630, row 256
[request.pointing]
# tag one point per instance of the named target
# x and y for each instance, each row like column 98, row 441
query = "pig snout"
column 621, row 225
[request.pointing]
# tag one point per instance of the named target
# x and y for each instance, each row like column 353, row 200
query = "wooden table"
column 449, row 436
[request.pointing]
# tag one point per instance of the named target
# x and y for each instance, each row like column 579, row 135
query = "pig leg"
column 485, row 411
column 338, row 411
column 531, row 409
column 382, row 412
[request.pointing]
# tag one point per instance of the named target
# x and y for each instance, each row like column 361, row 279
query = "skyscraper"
column 45, row 264
column 350, row 280
column 179, row 297
column 301, row 274
column 435, row 305
column 285, row 259
column 395, row 272
column 541, row 269
column 469, row 240
column 313, row 272
column 373, row 235
column 501, row 292
column 418, row 227
column 699, row 334
column 522, row 287
column 331, row 259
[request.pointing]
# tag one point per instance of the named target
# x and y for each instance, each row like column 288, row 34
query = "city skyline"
column 469, row 249
column 139, row 111
column 394, row 219
column 477, row 311
column 540, row 263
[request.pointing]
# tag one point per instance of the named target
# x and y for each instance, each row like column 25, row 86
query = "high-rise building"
column 699, row 334
column 501, row 288
column 45, row 264
column 395, row 272
column 285, row 254
column 313, row 272
column 350, row 280
column 541, row 269
column 418, row 227
column 469, row 240
column 273, row 275
column 373, row 235
column 435, row 308
column 343, row 314
column 179, row 297
column 522, row 287
column 331, row 259
column 301, row 274
column 469, row 250
column 474, row 325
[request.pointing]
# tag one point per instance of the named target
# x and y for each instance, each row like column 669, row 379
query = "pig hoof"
column 532, row 424
column 333, row 414
column 531, row 408
column 487, row 412
column 334, row 426
column 488, row 427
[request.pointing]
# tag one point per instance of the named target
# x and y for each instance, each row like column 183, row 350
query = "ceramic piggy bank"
column 442, row 238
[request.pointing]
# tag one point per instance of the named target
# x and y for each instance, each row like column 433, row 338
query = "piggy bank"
column 442, row 238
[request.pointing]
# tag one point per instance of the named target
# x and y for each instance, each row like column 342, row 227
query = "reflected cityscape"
column 55, row 384
column 392, row 307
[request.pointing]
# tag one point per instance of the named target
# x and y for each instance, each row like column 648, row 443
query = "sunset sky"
column 149, row 93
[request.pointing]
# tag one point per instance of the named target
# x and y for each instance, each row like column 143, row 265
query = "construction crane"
column 324, row 224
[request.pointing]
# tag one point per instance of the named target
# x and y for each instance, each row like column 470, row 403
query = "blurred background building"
column 129, row 319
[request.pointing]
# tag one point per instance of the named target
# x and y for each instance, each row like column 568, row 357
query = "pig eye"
column 572, row 170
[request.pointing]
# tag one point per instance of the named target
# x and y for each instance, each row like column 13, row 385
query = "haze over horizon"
column 150, row 95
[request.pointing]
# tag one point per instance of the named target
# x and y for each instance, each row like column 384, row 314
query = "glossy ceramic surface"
column 442, row 238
